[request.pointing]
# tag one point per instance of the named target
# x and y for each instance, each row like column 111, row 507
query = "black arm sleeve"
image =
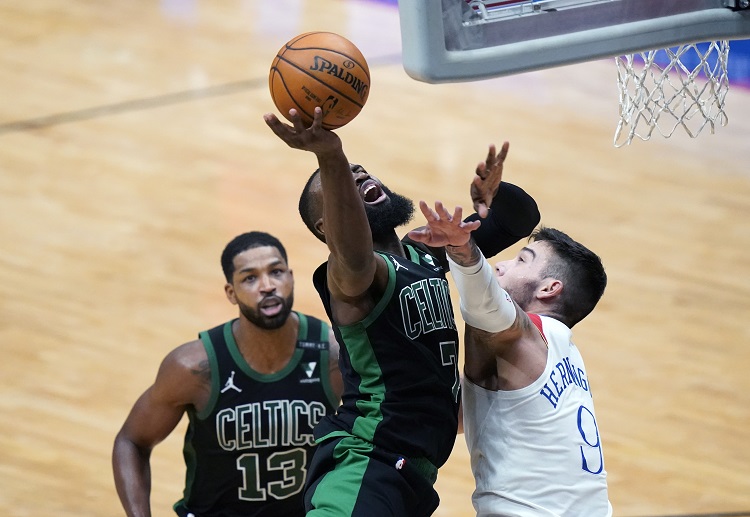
column 513, row 215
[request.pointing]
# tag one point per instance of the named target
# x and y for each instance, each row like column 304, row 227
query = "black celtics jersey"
column 401, row 383
column 248, row 451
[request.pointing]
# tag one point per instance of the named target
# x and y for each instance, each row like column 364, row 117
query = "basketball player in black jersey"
column 253, row 388
column 390, row 308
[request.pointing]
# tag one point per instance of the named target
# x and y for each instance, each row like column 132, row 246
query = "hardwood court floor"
column 132, row 149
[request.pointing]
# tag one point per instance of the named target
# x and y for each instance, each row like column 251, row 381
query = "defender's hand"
column 486, row 182
column 443, row 229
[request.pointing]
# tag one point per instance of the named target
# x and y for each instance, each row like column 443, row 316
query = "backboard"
column 463, row 40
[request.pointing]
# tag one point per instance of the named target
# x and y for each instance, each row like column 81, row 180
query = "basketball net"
column 688, row 91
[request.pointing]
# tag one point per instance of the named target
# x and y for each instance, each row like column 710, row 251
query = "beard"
column 260, row 320
column 388, row 216
column 522, row 293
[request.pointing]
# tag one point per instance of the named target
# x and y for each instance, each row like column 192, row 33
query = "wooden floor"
column 132, row 148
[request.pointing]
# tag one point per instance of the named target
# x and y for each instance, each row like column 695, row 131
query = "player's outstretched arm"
column 352, row 263
column 507, row 212
column 153, row 417
column 484, row 304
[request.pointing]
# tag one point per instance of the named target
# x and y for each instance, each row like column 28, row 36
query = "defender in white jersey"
column 536, row 451
column 528, row 412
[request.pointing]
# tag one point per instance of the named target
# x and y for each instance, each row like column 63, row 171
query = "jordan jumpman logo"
column 230, row 384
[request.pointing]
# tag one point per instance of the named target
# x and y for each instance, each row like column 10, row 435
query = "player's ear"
column 229, row 291
column 319, row 229
column 550, row 288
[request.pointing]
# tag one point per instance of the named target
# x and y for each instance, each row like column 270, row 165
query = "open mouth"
column 371, row 192
column 271, row 307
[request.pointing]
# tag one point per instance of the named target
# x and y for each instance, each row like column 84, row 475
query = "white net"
column 663, row 89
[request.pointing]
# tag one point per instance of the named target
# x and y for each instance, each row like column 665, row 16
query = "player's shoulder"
column 189, row 357
column 183, row 376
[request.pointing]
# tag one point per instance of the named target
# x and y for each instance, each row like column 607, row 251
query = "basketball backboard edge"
column 438, row 47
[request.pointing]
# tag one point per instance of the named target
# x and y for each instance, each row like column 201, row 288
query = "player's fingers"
column 296, row 120
column 472, row 225
column 428, row 213
column 480, row 197
column 270, row 120
column 491, row 156
column 481, row 171
column 503, row 151
column 442, row 212
column 491, row 151
column 317, row 118
column 278, row 127
column 482, row 189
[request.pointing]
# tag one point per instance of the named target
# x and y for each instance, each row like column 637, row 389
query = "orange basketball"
column 320, row 69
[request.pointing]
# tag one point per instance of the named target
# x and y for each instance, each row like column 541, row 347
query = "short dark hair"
column 245, row 242
column 307, row 207
column 580, row 270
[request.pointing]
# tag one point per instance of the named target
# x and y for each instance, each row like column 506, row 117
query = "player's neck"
column 547, row 310
column 390, row 244
column 267, row 351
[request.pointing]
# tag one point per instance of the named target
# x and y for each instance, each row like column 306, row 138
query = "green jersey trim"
column 191, row 464
column 365, row 363
column 386, row 298
column 213, row 367
column 413, row 253
column 325, row 378
column 332, row 434
column 342, row 486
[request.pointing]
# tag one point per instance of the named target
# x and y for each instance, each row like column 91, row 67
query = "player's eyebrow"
column 533, row 253
column 253, row 268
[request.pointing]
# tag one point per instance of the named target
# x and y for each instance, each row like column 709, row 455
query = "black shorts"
column 350, row 477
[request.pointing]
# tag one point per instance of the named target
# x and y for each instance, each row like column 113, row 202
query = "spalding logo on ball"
column 320, row 69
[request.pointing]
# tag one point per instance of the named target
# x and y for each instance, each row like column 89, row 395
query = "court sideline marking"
column 158, row 101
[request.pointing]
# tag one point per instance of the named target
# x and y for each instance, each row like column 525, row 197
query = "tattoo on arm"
column 466, row 255
column 203, row 370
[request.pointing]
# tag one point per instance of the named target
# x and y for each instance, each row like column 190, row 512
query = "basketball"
column 320, row 69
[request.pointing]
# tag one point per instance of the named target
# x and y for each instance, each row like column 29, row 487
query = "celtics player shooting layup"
column 392, row 314
column 253, row 388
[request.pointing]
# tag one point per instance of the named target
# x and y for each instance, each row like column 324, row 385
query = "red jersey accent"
column 537, row 321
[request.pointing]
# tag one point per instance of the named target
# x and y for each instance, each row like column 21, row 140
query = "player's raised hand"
column 314, row 138
column 489, row 175
column 443, row 228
